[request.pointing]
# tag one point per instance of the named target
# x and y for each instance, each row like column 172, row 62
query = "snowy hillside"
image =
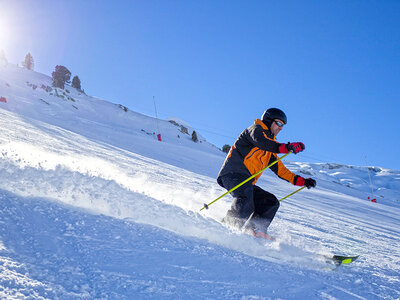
column 30, row 94
column 93, row 206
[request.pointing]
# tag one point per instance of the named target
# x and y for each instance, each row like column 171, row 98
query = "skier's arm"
column 283, row 172
column 259, row 138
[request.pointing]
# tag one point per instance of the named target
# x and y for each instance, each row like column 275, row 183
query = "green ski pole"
column 292, row 193
column 243, row 182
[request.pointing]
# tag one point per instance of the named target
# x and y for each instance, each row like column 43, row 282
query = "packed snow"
column 93, row 206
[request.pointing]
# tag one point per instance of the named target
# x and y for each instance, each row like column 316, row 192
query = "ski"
column 339, row 259
column 262, row 235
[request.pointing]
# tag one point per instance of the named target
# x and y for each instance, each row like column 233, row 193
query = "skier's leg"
column 266, row 206
column 243, row 205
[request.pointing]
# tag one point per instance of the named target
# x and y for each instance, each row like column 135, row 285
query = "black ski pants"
column 247, row 199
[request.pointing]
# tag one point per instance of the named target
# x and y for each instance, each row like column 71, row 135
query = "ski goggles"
column 279, row 123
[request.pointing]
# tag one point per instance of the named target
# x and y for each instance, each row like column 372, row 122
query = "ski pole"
column 292, row 193
column 243, row 182
column 248, row 221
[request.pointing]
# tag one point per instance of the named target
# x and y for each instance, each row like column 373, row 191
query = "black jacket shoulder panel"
column 263, row 139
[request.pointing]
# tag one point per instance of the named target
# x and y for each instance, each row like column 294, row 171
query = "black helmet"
column 273, row 113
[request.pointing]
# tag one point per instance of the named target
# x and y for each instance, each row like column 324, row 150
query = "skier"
column 255, row 149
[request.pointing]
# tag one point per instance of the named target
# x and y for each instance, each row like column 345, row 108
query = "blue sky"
column 332, row 66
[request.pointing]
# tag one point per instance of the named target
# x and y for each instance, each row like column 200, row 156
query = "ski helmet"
column 274, row 113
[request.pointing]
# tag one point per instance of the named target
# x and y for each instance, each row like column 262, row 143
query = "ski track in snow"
column 62, row 252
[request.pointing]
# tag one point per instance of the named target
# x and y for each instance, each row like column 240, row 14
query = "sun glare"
column 4, row 34
column 5, row 28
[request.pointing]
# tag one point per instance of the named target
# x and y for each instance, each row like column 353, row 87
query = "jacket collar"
column 265, row 127
column 261, row 123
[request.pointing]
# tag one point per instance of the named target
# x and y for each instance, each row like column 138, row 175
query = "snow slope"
column 92, row 206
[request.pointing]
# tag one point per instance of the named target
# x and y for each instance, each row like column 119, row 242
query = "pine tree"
column 226, row 148
column 194, row 137
column 28, row 63
column 76, row 83
column 61, row 75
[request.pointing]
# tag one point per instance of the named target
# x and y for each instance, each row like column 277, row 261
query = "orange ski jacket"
column 255, row 149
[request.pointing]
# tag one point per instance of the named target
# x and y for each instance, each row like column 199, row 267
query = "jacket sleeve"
column 258, row 137
column 283, row 172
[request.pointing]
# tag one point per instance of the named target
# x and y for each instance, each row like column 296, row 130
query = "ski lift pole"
column 158, row 127
column 292, row 193
column 369, row 175
column 243, row 182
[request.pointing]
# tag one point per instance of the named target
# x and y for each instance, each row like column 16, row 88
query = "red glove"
column 294, row 147
column 309, row 182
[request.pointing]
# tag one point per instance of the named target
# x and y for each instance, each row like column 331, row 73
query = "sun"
column 5, row 32
column 4, row 35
